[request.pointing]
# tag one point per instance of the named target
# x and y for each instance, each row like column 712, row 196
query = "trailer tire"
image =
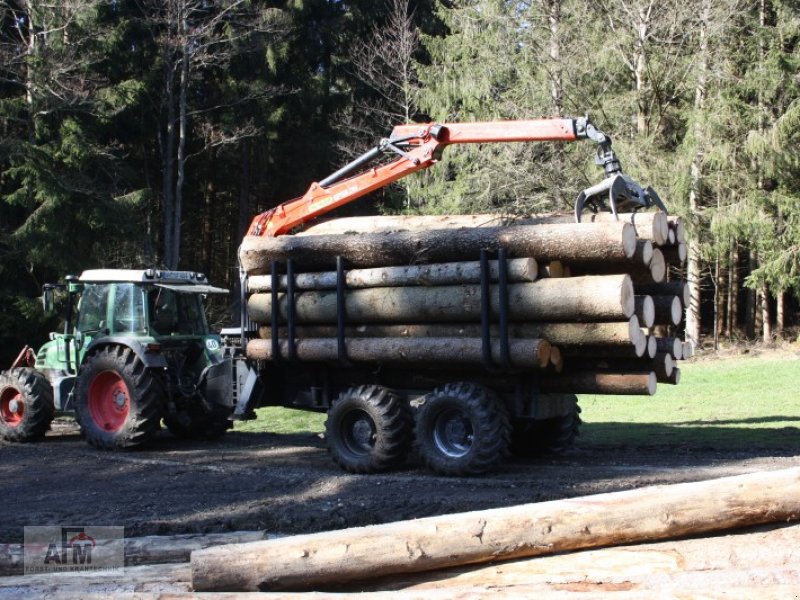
column 462, row 429
column 26, row 405
column 369, row 430
column 195, row 422
column 531, row 438
column 118, row 400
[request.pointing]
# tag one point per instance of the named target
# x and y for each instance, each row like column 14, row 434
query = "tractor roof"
column 143, row 276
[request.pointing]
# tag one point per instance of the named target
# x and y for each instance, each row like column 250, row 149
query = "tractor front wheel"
column 119, row 400
column 26, row 405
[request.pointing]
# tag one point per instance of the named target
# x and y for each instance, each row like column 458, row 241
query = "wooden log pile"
column 595, row 307
column 700, row 539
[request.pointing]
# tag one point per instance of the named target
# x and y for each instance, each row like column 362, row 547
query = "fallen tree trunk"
column 599, row 382
column 649, row 225
column 533, row 354
column 618, row 333
column 666, row 288
column 676, row 254
column 519, row 269
column 645, row 310
column 644, row 348
column 670, row 345
column 148, row 550
column 581, row 242
column 601, row 298
column 654, row 271
column 645, row 514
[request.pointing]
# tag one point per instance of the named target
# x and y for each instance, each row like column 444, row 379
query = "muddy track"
column 288, row 484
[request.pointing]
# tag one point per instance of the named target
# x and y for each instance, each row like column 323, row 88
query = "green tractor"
column 136, row 350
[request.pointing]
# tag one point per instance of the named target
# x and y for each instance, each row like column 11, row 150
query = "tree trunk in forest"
column 210, row 201
column 751, row 307
column 182, row 137
column 732, row 322
column 780, row 301
column 645, row 514
column 693, row 270
column 766, row 317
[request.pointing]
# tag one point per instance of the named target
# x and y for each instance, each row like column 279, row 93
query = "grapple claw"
column 616, row 194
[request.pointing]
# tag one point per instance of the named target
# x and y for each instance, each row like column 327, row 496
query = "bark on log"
column 519, row 269
column 620, row 333
column 555, row 269
column 663, row 365
column 433, row 543
column 653, row 272
column 601, row 298
column 649, row 225
column 597, row 382
column 702, row 562
column 534, row 354
column 577, row 242
column 688, row 350
column 677, row 225
column 671, row 345
column 668, row 310
column 674, row 378
column 666, row 288
column 645, row 310
column 676, row 254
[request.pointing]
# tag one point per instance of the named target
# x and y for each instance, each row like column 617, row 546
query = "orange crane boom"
column 419, row 146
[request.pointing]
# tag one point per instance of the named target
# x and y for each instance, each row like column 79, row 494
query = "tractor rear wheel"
column 462, row 429
column 26, row 405
column 195, row 422
column 369, row 430
column 119, row 400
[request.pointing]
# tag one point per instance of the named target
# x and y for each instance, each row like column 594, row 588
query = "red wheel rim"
column 109, row 401
column 12, row 406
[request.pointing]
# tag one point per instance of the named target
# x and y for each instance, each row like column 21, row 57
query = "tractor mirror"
column 47, row 300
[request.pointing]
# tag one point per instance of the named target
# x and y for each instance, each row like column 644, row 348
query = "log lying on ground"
column 148, row 550
column 649, row 225
column 607, row 334
column 532, row 353
column 519, row 269
column 529, row 530
column 600, row 382
column 140, row 581
column 601, row 298
column 579, row 242
column 670, row 345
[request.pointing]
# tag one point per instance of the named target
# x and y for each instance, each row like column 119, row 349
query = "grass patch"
column 725, row 403
column 730, row 403
column 283, row 420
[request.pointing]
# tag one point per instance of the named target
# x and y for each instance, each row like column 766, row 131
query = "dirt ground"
column 288, row 484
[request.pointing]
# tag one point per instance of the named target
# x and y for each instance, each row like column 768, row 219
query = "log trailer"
column 464, row 394
column 445, row 336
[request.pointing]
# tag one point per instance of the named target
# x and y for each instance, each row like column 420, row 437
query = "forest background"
column 139, row 133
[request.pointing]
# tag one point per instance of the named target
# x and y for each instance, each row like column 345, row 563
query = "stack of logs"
column 594, row 306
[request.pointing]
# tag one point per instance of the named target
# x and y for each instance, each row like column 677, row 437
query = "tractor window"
column 128, row 309
column 176, row 313
column 92, row 308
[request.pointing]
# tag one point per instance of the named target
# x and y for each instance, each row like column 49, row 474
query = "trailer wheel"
column 462, row 429
column 118, row 403
column 26, row 405
column 195, row 422
column 536, row 437
column 369, row 430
